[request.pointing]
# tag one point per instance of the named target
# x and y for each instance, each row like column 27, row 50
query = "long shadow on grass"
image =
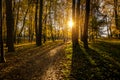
column 112, row 48
column 89, row 64
column 79, row 64
column 106, row 66
column 36, row 66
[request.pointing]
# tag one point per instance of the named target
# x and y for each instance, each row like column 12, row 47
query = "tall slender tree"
column 40, row 22
column 77, row 20
column 73, row 18
column 1, row 40
column 36, row 23
column 85, row 35
column 16, row 21
column 116, row 16
column 116, row 12
column 10, row 25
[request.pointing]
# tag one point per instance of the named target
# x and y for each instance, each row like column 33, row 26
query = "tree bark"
column 40, row 23
column 51, row 25
column 77, row 21
column 16, row 22
column 1, row 39
column 36, row 24
column 10, row 26
column 116, row 13
column 85, row 35
column 116, row 16
column 73, row 19
column 45, row 27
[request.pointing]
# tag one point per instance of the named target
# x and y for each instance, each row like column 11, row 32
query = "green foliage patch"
column 101, row 61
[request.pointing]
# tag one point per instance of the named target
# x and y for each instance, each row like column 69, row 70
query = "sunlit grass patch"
column 67, row 62
column 106, row 55
column 110, row 47
column 97, row 62
column 69, row 48
column 92, row 62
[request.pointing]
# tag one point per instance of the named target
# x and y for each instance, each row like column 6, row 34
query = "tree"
column 16, row 20
column 10, row 26
column 85, row 35
column 24, row 18
column 36, row 23
column 77, row 20
column 116, row 12
column 1, row 40
column 116, row 16
column 73, row 18
column 40, row 23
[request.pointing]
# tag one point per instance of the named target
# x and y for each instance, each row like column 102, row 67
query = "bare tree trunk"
column 25, row 18
column 81, row 24
column 16, row 22
column 116, row 16
column 2, row 59
column 36, row 23
column 116, row 12
column 77, row 21
column 40, row 22
column 10, row 26
column 51, row 27
column 45, row 27
column 24, row 21
column 85, row 35
column 73, row 18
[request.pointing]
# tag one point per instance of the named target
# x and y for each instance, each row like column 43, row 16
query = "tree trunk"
column 40, row 23
column 81, row 24
column 45, row 30
column 16, row 22
column 10, row 26
column 1, row 40
column 116, row 16
column 77, row 21
column 73, row 18
column 116, row 12
column 85, row 35
column 36, row 24
column 51, row 25
column 24, row 21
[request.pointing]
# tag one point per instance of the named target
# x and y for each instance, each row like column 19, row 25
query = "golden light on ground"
column 70, row 23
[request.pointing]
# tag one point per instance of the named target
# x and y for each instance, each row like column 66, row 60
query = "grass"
column 100, row 62
column 21, row 48
column 66, row 69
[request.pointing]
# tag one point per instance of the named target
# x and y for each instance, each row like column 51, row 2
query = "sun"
column 70, row 23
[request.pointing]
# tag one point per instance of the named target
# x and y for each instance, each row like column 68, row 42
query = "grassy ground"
column 58, row 61
column 100, row 62
column 33, row 63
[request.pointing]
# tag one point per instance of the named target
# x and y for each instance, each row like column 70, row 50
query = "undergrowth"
column 100, row 62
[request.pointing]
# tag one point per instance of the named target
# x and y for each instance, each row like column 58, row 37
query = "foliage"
column 100, row 61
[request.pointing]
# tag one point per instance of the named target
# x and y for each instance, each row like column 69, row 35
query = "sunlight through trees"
column 41, row 21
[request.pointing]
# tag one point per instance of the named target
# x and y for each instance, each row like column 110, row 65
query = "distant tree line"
column 95, row 19
column 33, row 20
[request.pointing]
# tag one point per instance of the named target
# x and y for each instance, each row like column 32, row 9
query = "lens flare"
column 70, row 23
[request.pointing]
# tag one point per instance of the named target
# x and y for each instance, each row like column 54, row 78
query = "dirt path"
column 41, row 63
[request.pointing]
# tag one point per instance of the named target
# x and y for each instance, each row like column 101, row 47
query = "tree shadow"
column 79, row 63
column 36, row 66
column 111, row 48
column 90, row 64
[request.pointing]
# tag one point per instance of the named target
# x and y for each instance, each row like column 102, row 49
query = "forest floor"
column 58, row 61
column 100, row 62
column 34, row 63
